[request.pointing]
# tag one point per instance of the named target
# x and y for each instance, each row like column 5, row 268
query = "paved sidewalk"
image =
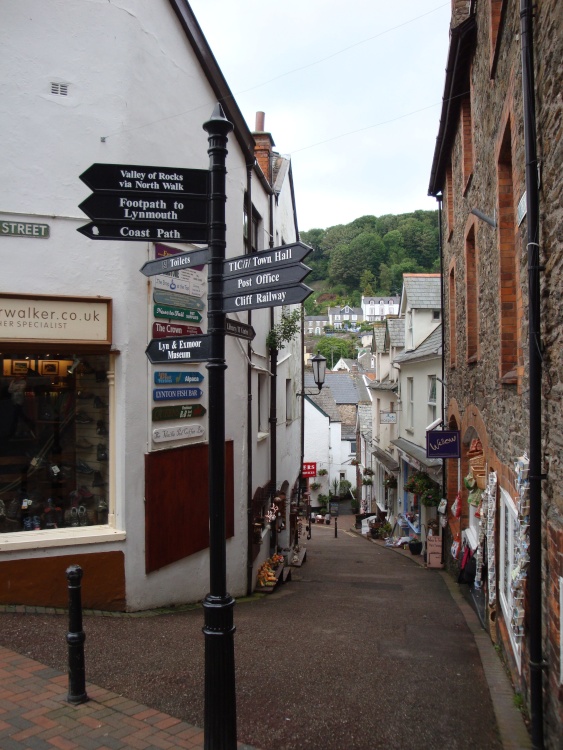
column 35, row 715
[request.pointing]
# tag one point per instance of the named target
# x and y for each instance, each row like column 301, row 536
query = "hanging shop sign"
column 24, row 229
column 175, row 378
column 309, row 469
column 388, row 417
column 184, row 411
column 178, row 300
column 180, row 432
column 47, row 318
column 161, row 330
column 175, row 394
column 443, row 444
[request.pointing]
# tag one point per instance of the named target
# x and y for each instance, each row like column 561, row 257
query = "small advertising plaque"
column 309, row 469
column 442, row 444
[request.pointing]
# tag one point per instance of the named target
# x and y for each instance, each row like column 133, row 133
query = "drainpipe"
column 535, row 374
column 439, row 198
column 249, row 434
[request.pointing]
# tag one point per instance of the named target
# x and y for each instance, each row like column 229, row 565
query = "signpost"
column 182, row 349
column 275, row 279
column 181, row 432
column 178, row 300
column 252, row 301
column 175, row 394
column 240, row 330
column 284, row 255
column 175, row 262
column 140, row 204
column 185, row 411
column 162, row 330
column 175, row 378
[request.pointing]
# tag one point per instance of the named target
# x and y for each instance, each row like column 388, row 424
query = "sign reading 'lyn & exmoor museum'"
column 184, row 411
column 182, row 349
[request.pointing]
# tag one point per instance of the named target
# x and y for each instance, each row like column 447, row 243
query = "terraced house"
column 497, row 173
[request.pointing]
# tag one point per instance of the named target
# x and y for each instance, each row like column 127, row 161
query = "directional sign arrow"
column 284, row 255
column 184, row 411
column 164, row 330
column 177, row 378
column 176, row 262
column 142, row 207
column 176, row 313
column 178, row 300
column 274, row 279
column 290, row 296
column 176, row 394
column 181, row 349
column 145, row 231
column 128, row 177
column 240, row 330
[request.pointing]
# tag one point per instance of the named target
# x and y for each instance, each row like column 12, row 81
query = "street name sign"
column 163, row 330
column 240, row 330
column 179, row 432
column 134, row 178
column 175, row 394
column 176, row 262
column 290, row 296
column 163, row 311
column 176, row 378
column 178, row 300
column 274, row 279
column 144, row 231
column 185, row 411
column 284, row 255
column 181, row 349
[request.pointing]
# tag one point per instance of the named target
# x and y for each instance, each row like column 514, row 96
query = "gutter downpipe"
column 439, row 198
column 273, row 420
column 249, row 440
column 535, row 375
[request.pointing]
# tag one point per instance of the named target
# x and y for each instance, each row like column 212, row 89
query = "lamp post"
column 318, row 363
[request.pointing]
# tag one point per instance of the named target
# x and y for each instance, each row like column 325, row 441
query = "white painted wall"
column 136, row 96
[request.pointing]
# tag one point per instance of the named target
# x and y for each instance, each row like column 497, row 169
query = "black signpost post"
column 148, row 204
column 220, row 723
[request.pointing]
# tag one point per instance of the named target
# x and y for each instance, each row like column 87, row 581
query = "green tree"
column 334, row 348
column 367, row 281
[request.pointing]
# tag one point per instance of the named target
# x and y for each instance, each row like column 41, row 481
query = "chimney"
column 460, row 12
column 263, row 149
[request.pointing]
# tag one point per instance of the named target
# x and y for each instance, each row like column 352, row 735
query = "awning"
column 418, row 453
column 385, row 459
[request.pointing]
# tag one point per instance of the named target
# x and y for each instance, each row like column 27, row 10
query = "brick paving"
column 35, row 715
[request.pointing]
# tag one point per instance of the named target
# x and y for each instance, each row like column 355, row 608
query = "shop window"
column 262, row 401
column 431, row 398
column 509, row 533
column 251, row 231
column 410, row 404
column 54, row 441
column 289, row 399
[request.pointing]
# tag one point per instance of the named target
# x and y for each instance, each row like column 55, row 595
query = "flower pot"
column 415, row 548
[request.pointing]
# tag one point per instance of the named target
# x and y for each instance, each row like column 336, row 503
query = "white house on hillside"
column 378, row 307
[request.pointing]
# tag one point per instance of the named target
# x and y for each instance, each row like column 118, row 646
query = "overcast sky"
column 351, row 89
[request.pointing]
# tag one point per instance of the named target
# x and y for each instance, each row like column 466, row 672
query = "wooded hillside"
column 370, row 255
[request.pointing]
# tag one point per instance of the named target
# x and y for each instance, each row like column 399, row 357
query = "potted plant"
column 390, row 482
column 322, row 472
column 367, row 481
column 415, row 545
column 315, row 485
column 368, row 472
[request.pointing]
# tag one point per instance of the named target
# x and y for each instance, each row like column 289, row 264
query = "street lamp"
column 319, row 370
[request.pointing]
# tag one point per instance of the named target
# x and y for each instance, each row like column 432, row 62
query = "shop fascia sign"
column 443, row 444
column 309, row 469
column 388, row 417
column 48, row 318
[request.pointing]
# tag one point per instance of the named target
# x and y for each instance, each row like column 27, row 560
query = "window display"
column 54, row 441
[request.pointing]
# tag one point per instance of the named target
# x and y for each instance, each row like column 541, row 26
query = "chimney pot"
column 260, row 121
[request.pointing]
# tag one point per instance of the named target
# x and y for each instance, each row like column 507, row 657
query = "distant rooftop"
column 422, row 290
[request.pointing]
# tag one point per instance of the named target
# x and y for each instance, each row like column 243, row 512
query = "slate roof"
column 316, row 317
column 422, row 290
column 365, row 419
column 343, row 386
column 325, row 401
column 430, row 347
column 396, row 328
column 384, row 385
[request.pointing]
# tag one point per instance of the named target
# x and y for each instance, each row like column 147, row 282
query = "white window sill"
column 21, row 540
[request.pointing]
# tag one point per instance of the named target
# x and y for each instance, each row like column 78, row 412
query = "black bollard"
column 75, row 638
column 335, row 527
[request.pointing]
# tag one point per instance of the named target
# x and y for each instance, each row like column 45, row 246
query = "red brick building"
column 503, row 279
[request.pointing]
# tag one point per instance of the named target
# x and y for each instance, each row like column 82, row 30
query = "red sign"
column 309, row 469
column 161, row 330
